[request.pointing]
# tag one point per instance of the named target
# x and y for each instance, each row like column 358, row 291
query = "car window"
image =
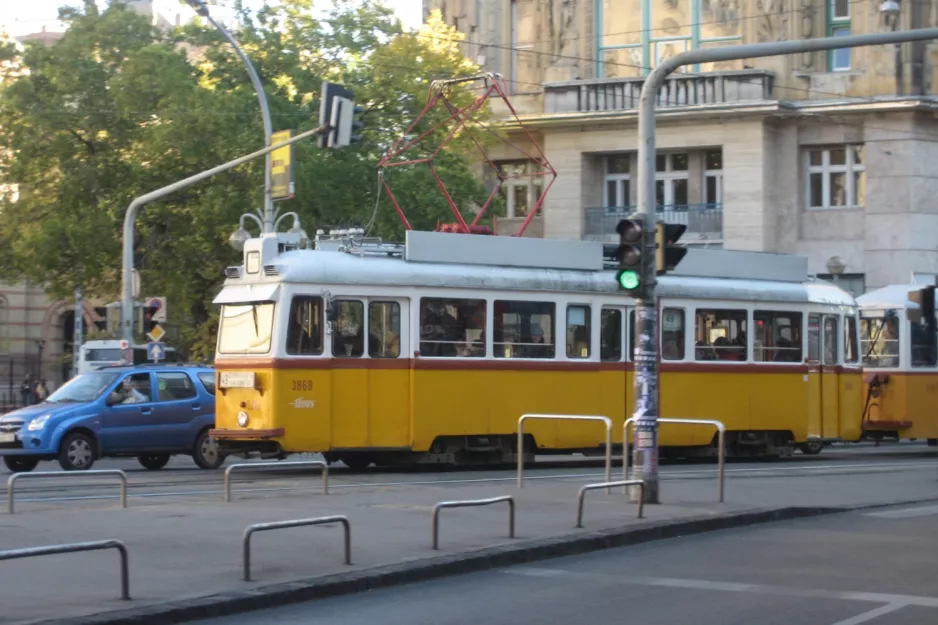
column 173, row 386
column 208, row 381
column 134, row 389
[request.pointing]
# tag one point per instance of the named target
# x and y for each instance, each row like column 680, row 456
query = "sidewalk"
column 190, row 547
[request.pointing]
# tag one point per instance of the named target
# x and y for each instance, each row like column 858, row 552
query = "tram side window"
column 304, row 328
column 610, row 335
column 671, row 330
column 923, row 344
column 814, row 338
column 721, row 335
column 524, row 329
column 384, row 329
column 831, row 335
column 778, row 336
column 348, row 329
column 452, row 327
column 578, row 331
column 879, row 340
column 851, row 353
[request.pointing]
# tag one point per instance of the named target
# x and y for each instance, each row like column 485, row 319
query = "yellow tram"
column 430, row 351
column 900, row 363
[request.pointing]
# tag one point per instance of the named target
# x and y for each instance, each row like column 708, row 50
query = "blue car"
column 147, row 411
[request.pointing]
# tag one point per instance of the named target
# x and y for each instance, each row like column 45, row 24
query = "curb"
column 302, row 590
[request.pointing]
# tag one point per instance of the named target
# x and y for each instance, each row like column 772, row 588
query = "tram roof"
column 894, row 296
column 333, row 268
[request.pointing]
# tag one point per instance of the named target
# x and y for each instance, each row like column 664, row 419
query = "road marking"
column 869, row 616
column 700, row 584
column 905, row 513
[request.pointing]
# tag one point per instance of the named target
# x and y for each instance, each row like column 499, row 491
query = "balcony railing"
column 703, row 221
column 679, row 90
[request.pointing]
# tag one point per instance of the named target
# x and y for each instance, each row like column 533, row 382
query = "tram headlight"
column 243, row 419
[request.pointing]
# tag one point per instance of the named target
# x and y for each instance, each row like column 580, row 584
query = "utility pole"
column 645, row 451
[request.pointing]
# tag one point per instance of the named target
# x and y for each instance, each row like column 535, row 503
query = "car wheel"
column 77, row 452
column 206, row 453
column 20, row 464
column 153, row 462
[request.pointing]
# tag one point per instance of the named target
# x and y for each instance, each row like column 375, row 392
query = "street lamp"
column 268, row 215
column 889, row 10
column 836, row 266
column 240, row 236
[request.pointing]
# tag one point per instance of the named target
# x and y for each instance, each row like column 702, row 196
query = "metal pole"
column 268, row 214
column 127, row 300
column 646, row 351
column 79, row 332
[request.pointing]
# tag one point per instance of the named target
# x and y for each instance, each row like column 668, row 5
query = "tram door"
column 830, row 376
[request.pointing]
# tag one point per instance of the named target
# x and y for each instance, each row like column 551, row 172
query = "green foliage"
column 117, row 109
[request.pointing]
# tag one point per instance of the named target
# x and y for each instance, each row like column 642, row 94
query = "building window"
column 524, row 58
column 836, row 177
column 671, row 180
column 713, row 178
column 521, row 187
column 617, row 190
column 853, row 283
column 838, row 25
column 636, row 35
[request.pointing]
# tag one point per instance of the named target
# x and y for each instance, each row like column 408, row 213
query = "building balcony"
column 704, row 221
column 679, row 90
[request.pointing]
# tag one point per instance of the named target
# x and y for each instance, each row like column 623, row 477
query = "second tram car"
column 431, row 351
column 900, row 362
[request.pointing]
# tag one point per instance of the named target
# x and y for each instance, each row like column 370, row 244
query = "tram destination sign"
column 237, row 379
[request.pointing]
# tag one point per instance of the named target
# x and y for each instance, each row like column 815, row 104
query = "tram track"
column 176, row 476
column 273, row 482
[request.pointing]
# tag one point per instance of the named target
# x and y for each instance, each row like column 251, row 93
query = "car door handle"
column 196, row 406
column 146, row 410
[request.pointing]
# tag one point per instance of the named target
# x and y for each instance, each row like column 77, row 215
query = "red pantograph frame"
column 462, row 117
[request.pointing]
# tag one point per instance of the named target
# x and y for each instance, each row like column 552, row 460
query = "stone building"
column 822, row 154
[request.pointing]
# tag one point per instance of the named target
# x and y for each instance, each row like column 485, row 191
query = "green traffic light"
column 628, row 280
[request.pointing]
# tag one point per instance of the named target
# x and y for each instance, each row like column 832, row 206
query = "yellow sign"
column 281, row 167
column 157, row 333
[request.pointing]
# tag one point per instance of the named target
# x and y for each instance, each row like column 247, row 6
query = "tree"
column 116, row 109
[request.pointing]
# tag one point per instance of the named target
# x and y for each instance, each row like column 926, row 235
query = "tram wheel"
column 356, row 463
column 811, row 449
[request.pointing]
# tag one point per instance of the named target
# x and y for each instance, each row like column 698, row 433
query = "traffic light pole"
column 645, row 450
column 130, row 218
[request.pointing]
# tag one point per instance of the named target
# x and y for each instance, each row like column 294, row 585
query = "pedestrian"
column 26, row 389
column 42, row 391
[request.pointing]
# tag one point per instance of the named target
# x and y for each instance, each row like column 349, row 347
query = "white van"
column 96, row 354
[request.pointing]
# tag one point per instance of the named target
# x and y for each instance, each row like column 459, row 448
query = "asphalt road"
column 181, row 477
column 848, row 569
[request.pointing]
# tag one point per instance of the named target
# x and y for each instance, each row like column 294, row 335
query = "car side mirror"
column 113, row 399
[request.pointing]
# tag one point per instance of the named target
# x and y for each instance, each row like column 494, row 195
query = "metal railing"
column 703, row 221
column 721, row 445
column 680, row 89
column 22, row 476
column 98, row 545
column 471, row 503
column 277, row 525
column 294, row 465
column 588, row 487
column 563, row 417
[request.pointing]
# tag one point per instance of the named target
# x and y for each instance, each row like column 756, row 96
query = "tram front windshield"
column 879, row 340
column 246, row 328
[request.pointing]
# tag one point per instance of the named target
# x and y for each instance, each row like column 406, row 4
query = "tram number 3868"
column 302, row 385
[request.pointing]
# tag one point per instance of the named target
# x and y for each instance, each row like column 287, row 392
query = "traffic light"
column 631, row 257
column 337, row 109
column 667, row 253
column 149, row 312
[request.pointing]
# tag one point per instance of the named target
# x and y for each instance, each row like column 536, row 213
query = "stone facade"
column 819, row 154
